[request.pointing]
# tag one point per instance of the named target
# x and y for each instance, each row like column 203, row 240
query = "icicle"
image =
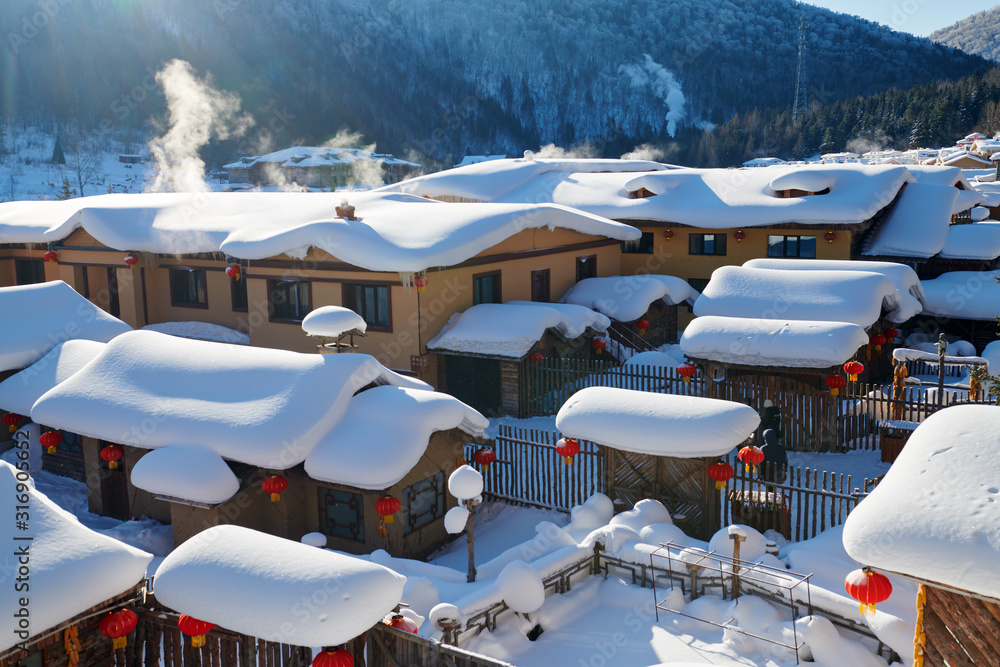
column 406, row 277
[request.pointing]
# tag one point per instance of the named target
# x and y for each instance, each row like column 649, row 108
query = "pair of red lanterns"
column 116, row 625
column 837, row 382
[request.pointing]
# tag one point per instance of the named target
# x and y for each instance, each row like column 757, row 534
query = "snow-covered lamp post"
column 466, row 484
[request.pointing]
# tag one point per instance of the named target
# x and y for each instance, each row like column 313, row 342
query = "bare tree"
column 85, row 161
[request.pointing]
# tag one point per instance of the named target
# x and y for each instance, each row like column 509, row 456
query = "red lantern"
column 484, row 456
column 234, row 271
column 739, row 236
column 116, row 625
column 891, row 334
column 598, row 344
column 420, row 282
column 668, row 234
column 567, row 448
column 751, row 456
column 878, row 340
column 402, row 623
column 687, row 371
column 112, row 454
column 835, row 383
column 642, row 325
column 536, row 358
column 869, row 588
column 853, row 370
column 51, row 440
column 721, row 472
column 11, row 420
column 386, row 506
column 333, row 657
column 196, row 629
column 275, row 485
column 131, row 260
column 830, row 237
column 51, row 256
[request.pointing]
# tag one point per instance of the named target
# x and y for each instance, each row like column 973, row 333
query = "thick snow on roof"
column 511, row 329
column 976, row 241
column 393, row 232
column 72, row 567
column 275, row 589
column 249, row 404
column 909, row 293
column 918, row 224
column 43, row 315
column 201, row 331
column 384, row 433
column 313, row 156
column 936, row 515
column 627, row 298
column 333, row 321
column 756, row 342
column 967, row 295
column 187, row 472
column 939, row 175
column 659, row 424
column 831, row 296
column 19, row 392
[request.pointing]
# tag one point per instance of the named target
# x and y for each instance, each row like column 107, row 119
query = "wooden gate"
column 392, row 647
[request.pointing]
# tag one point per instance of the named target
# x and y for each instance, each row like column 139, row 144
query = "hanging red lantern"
column 835, row 383
column 420, row 282
column 386, row 506
column 195, row 629
column 878, row 340
column 567, row 448
column 11, row 420
column 668, row 234
column 751, row 456
column 598, row 344
column 401, row 622
column 536, row 358
column 891, row 334
column 853, row 370
column 234, row 271
column 484, row 456
column 869, row 588
column 830, row 237
column 642, row 325
column 112, row 454
column 721, row 472
column 131, row 260
column 51, row 440
column 687, row 371
column 115, row 625
column 51, row 256
column 274, row 485
column 739, row 236
column 333, row 657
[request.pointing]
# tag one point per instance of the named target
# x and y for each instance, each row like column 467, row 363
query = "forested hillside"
column 976, row 34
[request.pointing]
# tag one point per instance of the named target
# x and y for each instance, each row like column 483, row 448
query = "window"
column 698, row 284
column 706, row 244
column 84, row 282
column 341, row 514
column 29, row 271
column 423, row 502
column 791, row 246
column 486, row 288
column 540, row 285
column 371, row 302
column 238, row 294
column 586, row 267
column 643, row 246
column 290, row 300
column 187, row 288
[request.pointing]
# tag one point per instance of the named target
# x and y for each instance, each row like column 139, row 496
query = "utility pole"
column 801, row 101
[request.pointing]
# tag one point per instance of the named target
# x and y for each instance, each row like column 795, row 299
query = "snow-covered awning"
column 370, row 451
column 43, row 315
column 511, row 329
column 918, row 224
column 627, row 298
column 936, row 515
column 275, row 589
column 967, row 295
column 72, row 568
column 787, row 343
column 978, row 241
column 658, row 424
column 186, row 472
column 19, row 392
column 333, row 322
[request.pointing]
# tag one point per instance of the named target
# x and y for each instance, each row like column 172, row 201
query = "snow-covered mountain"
column 975, row 34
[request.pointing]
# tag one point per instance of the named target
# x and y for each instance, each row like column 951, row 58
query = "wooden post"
column 737, row 540
column 470, row 538
column 694, row 581
column 248, row 651
column 942, row 347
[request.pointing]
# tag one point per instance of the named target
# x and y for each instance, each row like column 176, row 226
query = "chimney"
column 345, row 211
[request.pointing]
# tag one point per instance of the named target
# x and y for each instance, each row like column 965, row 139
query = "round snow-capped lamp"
column 668, row 234
column 536, row 358
column 11, row 420
column 194, row 628
column 131, row 260
column 333, row 657
column 484, row 456
column 830, row 237
column 112, row 454
column 739, row 235
column 853, row 370
column 386, row 506
column 567, row 448
column 878, row 340
column 642, row 325
column 115, row 625
column 274, row 485
column 687, row 371
column 868, row 587
column 598, row 344
column 420, row 281
column 234, row 271
column 51, row 256
column 751, row 457
column 835, row 383
column 400, row 622
column 721, row 472
column 50, row 440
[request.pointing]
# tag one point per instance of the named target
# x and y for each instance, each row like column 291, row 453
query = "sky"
column 920, row 17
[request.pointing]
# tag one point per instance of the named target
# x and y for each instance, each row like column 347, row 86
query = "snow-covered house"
column 203, row 424
column 320, row 167
column 963, row 303
column 935, row 520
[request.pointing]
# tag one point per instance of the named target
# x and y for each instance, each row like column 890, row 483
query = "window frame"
column 272, row 288
column 355, row 531
column 187, row 271
column 586, row 260
column 24, row 265
column 497, row 286
column 347, row 298
column 646, row 245
column 233, row 284
column 696, row 244
column 436, row 483
column 784, row 245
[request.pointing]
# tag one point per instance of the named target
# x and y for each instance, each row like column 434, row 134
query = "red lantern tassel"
column 382, row 532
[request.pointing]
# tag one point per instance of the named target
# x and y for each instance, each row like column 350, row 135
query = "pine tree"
column 58, row 156
column 66, row 192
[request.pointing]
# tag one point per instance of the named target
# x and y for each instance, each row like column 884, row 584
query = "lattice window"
column 424, row 502
column 341, row 514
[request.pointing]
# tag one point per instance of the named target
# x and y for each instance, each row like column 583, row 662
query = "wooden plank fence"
column 397, row 648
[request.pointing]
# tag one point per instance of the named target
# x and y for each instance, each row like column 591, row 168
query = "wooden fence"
column 397, row 648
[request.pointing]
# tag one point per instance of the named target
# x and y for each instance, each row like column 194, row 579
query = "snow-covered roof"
column 188, row 472
column 313, row 156
column 936, row 516
column 275, row 589
column 511, row 329
column 201, row 331
column 774, row 342
column 370, row 451
column 764, row 162
column 476, row 159
column 627, row 298
column 917, row 226
column 833, row 296
column 976, row 241
column 658, row 424
column 43, row 315
column 967, row 295
column 20, row 391
column 333, row 321
column 909, row 293
column 72, row 568
column 250, row 404
column 393, row 232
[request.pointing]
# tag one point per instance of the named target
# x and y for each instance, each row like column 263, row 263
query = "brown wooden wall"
column 958, row 630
